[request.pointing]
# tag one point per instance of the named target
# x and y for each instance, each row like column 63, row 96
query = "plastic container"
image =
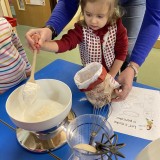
column 79, row 132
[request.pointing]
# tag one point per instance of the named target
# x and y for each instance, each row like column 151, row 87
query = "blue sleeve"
column 149, row 32
column 62, row 14
column 123, row 1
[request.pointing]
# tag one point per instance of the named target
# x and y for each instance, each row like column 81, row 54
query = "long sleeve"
column 12, row 64
column 62, row 14
column 149, row 32
column 17, row 43
column 121, row 46
column 70, row 40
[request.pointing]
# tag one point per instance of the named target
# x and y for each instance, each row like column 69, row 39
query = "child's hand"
column 36, row 38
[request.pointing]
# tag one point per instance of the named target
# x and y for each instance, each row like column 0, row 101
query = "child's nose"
column 94, row 20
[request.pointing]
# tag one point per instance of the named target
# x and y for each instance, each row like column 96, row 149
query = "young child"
column 101, row 36
column 14, row 65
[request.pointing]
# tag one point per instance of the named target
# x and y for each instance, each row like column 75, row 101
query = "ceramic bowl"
column 50, row 89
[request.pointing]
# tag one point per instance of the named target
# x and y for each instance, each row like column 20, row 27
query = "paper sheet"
column 138, row 115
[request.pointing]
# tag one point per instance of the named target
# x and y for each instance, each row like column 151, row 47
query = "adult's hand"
column 44, row 33
column 125, row 79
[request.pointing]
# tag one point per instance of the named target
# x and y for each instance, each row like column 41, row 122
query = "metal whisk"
column 101, row 111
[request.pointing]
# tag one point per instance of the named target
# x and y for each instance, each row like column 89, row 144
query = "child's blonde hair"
column 114, row 13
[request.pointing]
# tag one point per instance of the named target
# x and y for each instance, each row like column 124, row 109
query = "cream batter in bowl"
column 53, row 104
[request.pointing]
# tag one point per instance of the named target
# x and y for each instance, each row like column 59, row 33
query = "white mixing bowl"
column 53, row 90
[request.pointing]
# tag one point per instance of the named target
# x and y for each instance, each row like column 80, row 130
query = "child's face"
column 96, row 14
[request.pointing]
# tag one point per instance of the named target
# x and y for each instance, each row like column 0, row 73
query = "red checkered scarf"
column 90, row 48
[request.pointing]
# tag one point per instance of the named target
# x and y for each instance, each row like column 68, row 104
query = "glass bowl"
column 79, row 131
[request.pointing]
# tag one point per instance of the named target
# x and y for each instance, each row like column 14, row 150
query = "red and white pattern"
column 97, row 84
column 91, row 47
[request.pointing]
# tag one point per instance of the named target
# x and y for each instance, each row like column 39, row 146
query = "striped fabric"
column 13, row 60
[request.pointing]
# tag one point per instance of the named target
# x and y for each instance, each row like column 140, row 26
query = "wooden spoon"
column 31, row 87
column 31, row 79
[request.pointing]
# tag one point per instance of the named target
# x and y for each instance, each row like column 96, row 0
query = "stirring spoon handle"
column 33, row 65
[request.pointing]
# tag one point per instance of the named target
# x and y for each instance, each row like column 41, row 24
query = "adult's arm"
column 149, row 32
column 62, row 14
